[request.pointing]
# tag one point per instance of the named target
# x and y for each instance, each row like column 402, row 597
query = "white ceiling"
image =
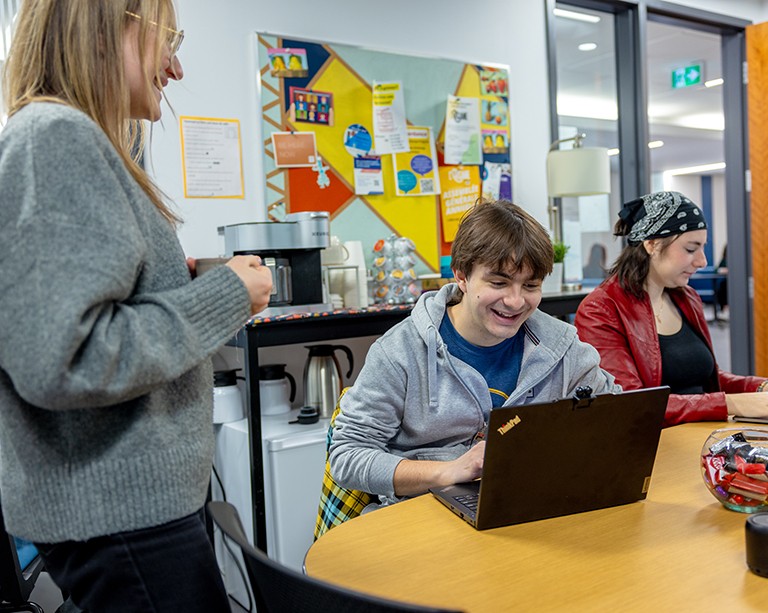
column 587, row 89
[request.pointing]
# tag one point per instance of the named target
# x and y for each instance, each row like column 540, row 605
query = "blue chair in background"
column 706, row 282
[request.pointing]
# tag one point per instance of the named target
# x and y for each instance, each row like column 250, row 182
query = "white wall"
column 218, row 58
column 219, row 61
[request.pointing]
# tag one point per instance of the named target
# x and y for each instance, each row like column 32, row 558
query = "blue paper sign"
column 421, row 164
column 406, row 180
column 357, row 140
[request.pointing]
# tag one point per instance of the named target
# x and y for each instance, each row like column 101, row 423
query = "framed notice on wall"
column 211, row 157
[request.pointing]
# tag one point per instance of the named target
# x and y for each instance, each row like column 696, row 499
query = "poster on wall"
column 460, row 190
column 369, row 178
column 390, row 128
column 211, row 157
column 493, row 83
column 357, row 140
column 494, row 114
column 294, row 149
column 416, row 170
column 311, row 106
column 288, row 63
column 497, row 181
column 462, row 131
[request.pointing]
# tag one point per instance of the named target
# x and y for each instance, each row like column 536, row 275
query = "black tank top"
column 686, row 361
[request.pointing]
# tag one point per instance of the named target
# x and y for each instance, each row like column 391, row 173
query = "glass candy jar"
column 734, row 464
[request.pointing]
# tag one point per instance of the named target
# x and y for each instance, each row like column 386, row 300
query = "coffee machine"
column 291, row 249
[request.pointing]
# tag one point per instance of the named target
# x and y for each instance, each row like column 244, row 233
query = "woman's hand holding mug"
column 256, row 277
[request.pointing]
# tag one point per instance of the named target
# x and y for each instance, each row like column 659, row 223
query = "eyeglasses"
column 174, row 37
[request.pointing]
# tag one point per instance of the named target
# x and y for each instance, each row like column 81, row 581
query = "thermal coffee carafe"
column 322, row 377
column 227, row 400
column 277, row 389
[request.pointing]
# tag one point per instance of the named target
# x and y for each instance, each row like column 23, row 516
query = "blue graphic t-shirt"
column 500, row 364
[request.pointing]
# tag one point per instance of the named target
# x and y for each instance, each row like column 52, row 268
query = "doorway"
column 672, row 75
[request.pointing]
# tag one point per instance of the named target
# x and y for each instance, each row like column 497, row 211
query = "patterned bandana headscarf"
column 661, row 214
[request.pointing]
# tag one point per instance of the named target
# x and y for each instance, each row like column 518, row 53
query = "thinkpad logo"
column 509, row 425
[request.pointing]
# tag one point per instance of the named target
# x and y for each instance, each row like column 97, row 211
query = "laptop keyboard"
column 469, row 500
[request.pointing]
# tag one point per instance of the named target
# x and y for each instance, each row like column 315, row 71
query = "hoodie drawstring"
column 432, row 366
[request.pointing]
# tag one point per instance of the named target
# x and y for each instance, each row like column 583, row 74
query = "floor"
column 47, row 595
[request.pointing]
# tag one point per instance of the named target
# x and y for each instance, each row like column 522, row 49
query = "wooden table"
column 677, row 550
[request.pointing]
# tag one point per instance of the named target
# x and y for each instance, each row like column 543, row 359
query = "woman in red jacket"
column 649, row 326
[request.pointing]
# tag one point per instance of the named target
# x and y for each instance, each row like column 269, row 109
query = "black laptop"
column 557, row 458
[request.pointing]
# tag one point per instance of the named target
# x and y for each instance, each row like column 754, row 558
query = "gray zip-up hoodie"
column 414, row 400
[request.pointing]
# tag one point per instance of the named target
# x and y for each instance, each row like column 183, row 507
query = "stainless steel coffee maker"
column 291, row 249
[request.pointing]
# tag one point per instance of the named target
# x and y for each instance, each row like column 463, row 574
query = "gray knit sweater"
column 105, row 341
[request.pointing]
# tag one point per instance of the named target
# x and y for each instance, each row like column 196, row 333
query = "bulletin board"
column 326, row 90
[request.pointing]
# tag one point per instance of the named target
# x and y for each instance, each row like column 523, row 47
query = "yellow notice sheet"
column 211, row 157
column 461, row 189
column 416, row 170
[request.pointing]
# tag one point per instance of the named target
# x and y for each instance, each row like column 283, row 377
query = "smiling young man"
column 423, row 398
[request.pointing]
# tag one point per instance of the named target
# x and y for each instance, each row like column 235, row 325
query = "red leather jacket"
column 623, row 330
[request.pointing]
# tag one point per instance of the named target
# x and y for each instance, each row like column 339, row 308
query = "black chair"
column 279, row 589
column 16, row 584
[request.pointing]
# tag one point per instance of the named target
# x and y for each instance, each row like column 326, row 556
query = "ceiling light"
column 691, row 170
column 576, row 16
column 587, row 46
column 586, row 106
column 713, row 83
column 654, row 144
column 702, row 121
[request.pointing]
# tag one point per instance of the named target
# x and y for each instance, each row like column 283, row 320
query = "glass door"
column 587, row 104
column 686, row 126
column 661, row 86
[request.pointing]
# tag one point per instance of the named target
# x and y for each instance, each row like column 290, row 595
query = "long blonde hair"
column 71, row 52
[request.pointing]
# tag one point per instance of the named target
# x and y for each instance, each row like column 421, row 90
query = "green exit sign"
column 686, row 76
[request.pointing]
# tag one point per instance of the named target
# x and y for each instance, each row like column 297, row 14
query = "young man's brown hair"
column 503, row 237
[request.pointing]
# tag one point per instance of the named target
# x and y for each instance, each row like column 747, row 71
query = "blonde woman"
column 105, row 338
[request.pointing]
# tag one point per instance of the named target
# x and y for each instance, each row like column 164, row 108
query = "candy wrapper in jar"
column 734, row 466
column 394, row 278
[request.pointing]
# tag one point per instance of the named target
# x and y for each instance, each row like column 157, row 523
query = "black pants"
column 167, row 568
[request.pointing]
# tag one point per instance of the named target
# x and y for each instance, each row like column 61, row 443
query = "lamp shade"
column 581, row 171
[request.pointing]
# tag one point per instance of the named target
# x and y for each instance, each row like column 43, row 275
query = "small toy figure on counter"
column 394, row 277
